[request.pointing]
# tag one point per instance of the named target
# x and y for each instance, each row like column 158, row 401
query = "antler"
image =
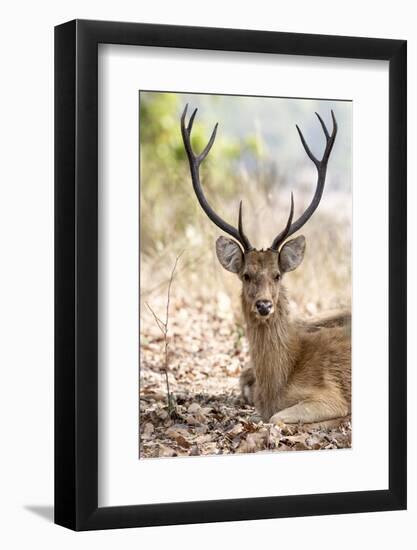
column 321, row 166
column 195, row 161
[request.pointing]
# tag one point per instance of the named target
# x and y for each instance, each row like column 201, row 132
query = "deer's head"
column 261, row 271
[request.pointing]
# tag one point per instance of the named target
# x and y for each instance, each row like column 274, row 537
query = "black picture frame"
column 76, row 273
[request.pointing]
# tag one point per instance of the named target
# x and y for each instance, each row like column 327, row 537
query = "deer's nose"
column 264, row 307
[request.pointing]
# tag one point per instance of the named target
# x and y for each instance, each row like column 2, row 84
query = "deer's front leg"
column 247, row 384
column 307, row 412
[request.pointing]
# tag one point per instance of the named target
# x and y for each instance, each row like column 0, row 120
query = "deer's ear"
column 230, row 254
column 292, row 254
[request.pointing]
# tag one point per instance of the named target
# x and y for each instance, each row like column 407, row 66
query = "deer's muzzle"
column 264, row 307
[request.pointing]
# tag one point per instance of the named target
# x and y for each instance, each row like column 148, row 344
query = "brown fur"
column 300, row 372
column 341, row 319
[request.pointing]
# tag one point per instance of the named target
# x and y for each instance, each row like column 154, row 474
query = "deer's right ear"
column 230, row 254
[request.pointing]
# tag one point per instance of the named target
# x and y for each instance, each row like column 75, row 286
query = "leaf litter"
column 207, row 351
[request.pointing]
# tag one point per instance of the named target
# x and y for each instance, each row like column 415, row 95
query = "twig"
column 169, row 287
column 161, row 324
column 163, row 327
column 191, row 263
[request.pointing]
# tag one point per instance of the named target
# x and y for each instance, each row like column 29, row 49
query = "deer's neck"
column 273, row 350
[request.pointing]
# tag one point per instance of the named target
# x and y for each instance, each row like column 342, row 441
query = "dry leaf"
column 147, row 430
column 193, row 408
column 165, row 451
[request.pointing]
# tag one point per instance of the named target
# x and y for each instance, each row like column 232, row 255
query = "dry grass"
column 321, row 283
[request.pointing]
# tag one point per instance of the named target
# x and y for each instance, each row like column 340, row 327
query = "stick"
column 163, row 327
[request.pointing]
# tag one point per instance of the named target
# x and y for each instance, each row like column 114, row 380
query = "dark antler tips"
column 243, row 238
column 213, row 134
column 191, row 121
column 300, row 133
column 239, row 234
column 321, row 165
column 279, row 239
column 334, row 121
column 291, row 211
column 195, row 161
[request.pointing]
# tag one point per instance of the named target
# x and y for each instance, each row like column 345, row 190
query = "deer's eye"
column 277, row 277
column 246, row 277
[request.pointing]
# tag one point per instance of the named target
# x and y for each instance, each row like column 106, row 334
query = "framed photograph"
column 230, row 252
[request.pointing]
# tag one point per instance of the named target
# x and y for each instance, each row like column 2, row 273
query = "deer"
column 298, row 373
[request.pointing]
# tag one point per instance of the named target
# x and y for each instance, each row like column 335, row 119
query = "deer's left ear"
column 292, row 254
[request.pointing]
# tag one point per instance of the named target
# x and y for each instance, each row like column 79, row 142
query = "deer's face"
column 261, row 272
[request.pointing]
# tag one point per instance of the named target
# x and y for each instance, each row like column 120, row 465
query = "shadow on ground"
column 45, row 512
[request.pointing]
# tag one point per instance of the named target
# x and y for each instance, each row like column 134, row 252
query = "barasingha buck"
column 297, row 375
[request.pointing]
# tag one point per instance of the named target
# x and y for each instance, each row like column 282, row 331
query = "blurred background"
column 257, row 157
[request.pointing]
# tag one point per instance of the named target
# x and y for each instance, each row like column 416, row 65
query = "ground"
column 207, row 351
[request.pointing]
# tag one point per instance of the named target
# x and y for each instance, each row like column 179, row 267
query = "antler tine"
column 199, row 158
column 306, row 147
column 191, row 121
column 185, row 132
column 279, row 239
column 209, row 145
column 195, row 161
column 321, row 166
column 245, row 240
column 330, row 139
column 326, row 133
